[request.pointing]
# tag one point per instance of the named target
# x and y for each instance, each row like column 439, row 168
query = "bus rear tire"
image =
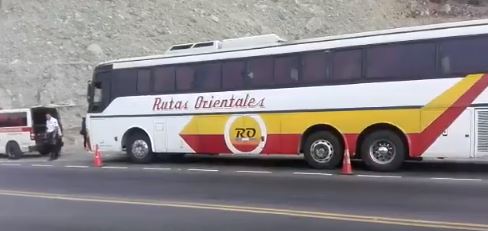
column 139, row 149
column 323, row 150
column 383, row 150
column 13, row 150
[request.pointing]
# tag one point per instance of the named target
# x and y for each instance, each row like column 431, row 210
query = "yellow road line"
column 255, row 210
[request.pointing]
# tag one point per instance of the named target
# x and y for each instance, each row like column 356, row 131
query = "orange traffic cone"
column 97, row 161
column 346, row 164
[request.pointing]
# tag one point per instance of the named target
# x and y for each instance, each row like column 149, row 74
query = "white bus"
column 23, row 130
column 385, row 96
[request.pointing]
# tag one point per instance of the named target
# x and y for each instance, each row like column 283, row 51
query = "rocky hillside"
column 48, row 48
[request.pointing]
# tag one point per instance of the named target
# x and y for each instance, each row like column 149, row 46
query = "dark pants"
column 54, row 143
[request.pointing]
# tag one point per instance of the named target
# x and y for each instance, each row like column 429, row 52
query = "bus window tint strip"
column 164, row 79
column 144, row 81
column 401, row 61
column 455, row 57
column 464, row 55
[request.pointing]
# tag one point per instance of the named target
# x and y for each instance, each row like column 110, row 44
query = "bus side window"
column 316, row 67
column 445, row 65
column 185, row 78
column 260, row 72
column 347, row 65
column 126, row 84
column 207, row 77
column 164, row 79
column 462, row 56
column 232, row 75
column 286, row 70
column 144, row 81
column 401, row 61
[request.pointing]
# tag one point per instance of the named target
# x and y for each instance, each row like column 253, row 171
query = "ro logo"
column 245, row 133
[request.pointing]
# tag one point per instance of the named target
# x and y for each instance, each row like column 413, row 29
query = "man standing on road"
column 54, row 135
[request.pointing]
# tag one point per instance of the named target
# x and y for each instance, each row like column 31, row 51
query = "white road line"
column 115, row 167
column 10, row 164
column 157, row 169
column 202, row 170
column 76, row 166
column 42, row 165
column 257, row 172
column 456, row 179
column 313, row 173
column 379, row 176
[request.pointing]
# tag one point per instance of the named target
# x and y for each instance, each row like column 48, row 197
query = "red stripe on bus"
column 282, row 144
column 206, row 144
column 275, row 143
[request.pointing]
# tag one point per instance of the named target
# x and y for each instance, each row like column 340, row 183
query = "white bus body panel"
column 164, row 130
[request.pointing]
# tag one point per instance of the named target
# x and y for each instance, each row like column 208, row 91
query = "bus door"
column 160, row 136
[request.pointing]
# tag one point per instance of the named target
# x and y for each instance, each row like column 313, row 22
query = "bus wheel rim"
column 140, row 149
column 322, row 151
column 382, row 151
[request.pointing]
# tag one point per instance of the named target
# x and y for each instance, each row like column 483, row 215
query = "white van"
column 23, row 130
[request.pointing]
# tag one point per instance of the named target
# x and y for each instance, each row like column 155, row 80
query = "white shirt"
column 52, row 125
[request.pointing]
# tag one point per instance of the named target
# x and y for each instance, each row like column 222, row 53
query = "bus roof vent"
column 252, row 41
column 229, row 44
column 190, row 48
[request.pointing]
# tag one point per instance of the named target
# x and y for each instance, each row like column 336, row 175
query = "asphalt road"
column 51, row 197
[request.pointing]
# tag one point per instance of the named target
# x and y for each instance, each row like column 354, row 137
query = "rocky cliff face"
column 48, row 48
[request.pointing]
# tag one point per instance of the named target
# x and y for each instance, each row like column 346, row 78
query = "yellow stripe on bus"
column 351, row 121
column 436, row 107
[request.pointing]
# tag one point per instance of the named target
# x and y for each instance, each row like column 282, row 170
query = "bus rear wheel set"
column 381, row 150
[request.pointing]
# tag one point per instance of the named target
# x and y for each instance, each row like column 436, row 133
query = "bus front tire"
column 383, row 150
column 323, row 150
column 13, row 150
column 139, row 149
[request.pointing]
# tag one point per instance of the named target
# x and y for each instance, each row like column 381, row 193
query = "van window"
column 14, row 119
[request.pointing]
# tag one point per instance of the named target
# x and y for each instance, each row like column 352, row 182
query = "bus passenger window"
column 347, row 65
column 316, row 67
column 401, row 61
column 185, row 78
column 286, row 70
column 143, row 81
column 233, row 73
column 164, row 79
column 446, row 65
column 260, row 72
column 207, row 77
column 464, row 55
